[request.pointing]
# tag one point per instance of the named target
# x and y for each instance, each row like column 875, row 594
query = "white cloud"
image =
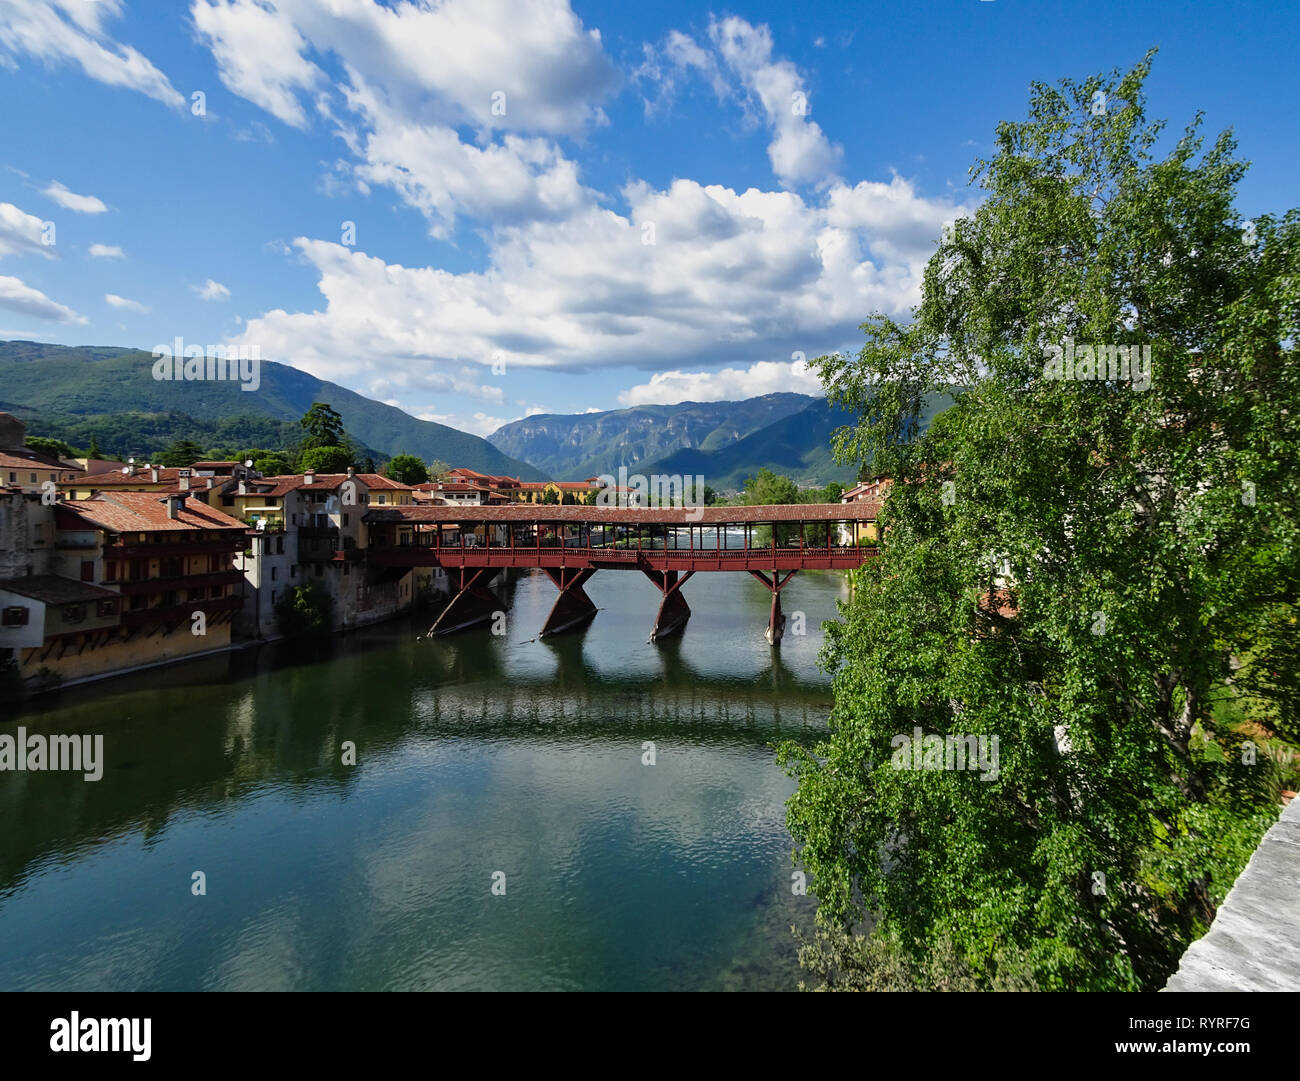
column 17, row 296
column 259, row 55
column 70, row 200
column 72, row 31
column 211, row 290
column 106, row 251
column 21, row 233
column 411, row 77
column 800, row 153
column 474, row 423
column 126, row 305
column 731, row 278
column 519, row 65
column 730, row 384
column 741, row 53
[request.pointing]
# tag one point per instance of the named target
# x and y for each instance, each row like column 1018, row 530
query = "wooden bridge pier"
column 673, row 609
column 573, row 608
column 473, row 603
column 776, row 621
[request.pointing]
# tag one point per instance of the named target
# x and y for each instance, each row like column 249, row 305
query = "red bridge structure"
column 571, row 543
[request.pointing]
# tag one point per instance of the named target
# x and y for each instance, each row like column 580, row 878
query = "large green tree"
column 181, row 453
column 406, row 469
column 1071, row 565
column 324, row 426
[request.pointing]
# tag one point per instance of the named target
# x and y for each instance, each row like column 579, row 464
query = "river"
column 482, row 761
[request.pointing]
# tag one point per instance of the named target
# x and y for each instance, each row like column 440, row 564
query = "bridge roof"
column 525, row 512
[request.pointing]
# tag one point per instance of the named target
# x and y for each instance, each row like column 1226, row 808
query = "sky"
column 480, row 210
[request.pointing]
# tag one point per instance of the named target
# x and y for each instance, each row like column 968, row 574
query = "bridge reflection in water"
column 571, row 543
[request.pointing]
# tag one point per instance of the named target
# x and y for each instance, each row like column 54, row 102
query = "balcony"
column 211, row 546
column 180, row 613
column 133, row 586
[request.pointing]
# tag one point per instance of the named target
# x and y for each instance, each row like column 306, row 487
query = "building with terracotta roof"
column 26, row 469
column 129, row 579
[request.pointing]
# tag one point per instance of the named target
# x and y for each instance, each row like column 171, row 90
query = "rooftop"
column 55, row 589
column 144, row 512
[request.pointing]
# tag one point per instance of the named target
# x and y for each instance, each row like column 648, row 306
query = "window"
column 279, row 546
column 14, row 617
column 106, row 608
column 320, row 569
column 275, row 573
column 382, row 500
column 139, row 602
column 13, row 477
column 345, row 519
column 293, row 570
column 87, row 570
column 197, row 593
column 110, row 571
column 227, row 500
column 74, row 613
column 33, row 478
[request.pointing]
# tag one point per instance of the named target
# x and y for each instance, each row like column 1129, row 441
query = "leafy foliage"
column 1069, row 566
column 407, row 469
column 305, row 611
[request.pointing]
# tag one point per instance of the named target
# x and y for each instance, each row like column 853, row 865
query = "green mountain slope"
column 588, row 444
column 96, row 389
column 797, row 446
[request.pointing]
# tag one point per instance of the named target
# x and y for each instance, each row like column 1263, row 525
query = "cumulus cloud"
column 519, row 65
column 21, row 233
column 70, row 200
column 730, row 384
column 259, row 55
column 740, row 62
column 72, row 31
column 17, row 296
column 106, row 251
column 727, row 279
column 126, row 305
column 211, row 290
column 513, row 71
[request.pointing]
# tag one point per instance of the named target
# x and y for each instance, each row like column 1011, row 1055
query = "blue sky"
column 557, row 207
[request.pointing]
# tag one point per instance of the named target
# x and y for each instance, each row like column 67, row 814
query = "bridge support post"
column 572, row 608
column 473, row 602
column 673, row 609
column 776, row 621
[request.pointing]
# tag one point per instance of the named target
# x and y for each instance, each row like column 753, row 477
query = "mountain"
column 797, row 446
column 588, row 444
column 72, row 392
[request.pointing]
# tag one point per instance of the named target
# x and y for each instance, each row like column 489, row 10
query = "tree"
column 1068, row 564
column 51, row 448
column 305, row 611
column 324, row 460
column 181, row 453
column 551, row 496
column 769, row 488
column 407, row 468
column 438, row 469
column 324, row 427
column 94, row 451
column 270, row 463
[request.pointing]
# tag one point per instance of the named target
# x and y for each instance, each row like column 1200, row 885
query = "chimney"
column 243, row 488
column 210, row 479
column 309, row 478
column 184, row 480
column 175, row 504
column 153, row 474
column 351, row 472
